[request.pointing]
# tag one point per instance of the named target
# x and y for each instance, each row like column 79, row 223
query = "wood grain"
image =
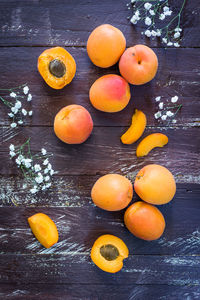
column 69, row 23
column 173, row 78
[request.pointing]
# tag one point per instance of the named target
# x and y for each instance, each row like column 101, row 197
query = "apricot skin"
column 136, row 129
column 150, row 142
column 112, row 192
column 138, row 64
column 105, row 45
column 155, row 184
column 110, row 93
column 145, row 221
column 73, row 124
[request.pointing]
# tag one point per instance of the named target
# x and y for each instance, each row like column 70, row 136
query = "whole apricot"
column 105, row 45
column 73, row 124
column 138, row 64
column 145, row 221
column 155, row 184
column 110, row 93
column 112, row 192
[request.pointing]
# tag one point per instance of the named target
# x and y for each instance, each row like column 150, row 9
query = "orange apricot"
column 155, row 184
column 108, row 253
column 105, row 45
column 112, row 192
column 145, row 221
column 138, row 64
column 73, row 124
column 57, row 67
column 110, row 93
column 44, row 229
column 150, row 142
column 136, row 129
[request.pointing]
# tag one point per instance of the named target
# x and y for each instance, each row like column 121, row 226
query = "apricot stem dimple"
column 109, row 252
column 57, row 68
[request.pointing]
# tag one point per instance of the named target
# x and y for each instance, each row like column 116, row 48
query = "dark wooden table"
column 168, row 268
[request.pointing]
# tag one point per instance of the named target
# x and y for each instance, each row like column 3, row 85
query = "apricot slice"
column 108, row 253
column 145, row 221
column 44, row 229
column 150, row 142
column 136, row 129
column 57, row 67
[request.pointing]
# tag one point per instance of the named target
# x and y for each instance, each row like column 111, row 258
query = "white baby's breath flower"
column 13, row 125
column 153, row 33
column 165, row 8
column 169, row 44
column 14, row 110
column 11, row 115
column 48, row 185
column 169, row 113
column 24, row 111
column 30, row 113
column 18, row 162
column 148, row 21
column 168, row 13
column 29, row 98
column 44, row 151
column 158, row 98
column 47, row 178
column 134, row 20
column 12, row 153
column 148, row 33
column 21, row 157
column 37, row 168
column 164, row 40
column 45, row 162
column 52, row 172
column 177, row 29
column 137, row 13
column 158, row 32
column 160, row 105
column 26, row 90
column 27, row 162
column 177, row 35
column 157, row 115
column 43, row 187
column 147, row 5
column 34, row 190
column 174, row 121
column 13, row 95
column 162, row 17
column 152, row 13
column 12, row 147
column 18, row 104
column 164, row 117
column 174, row 99
column 39, row 179
column 20, row 122
column 49, row 166
column 46, row 171
column 176, row 45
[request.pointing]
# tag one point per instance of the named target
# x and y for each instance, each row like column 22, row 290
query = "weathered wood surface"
column 178, row 74
column 69, row 23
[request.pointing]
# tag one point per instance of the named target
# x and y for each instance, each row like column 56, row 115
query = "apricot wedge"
column 150, row 142
column 136, row 129
column 44, row 229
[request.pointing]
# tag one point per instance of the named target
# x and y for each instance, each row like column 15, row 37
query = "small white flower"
column 164, row 117
column 29, row 98
column 14, row 110
column 49, row 166
column 18, row 162
column 13, row 125
column 153, row 33
column 152, row 13
column 12, row 153
column 157, row 115
column 158, row 32
column 165, row 8
column 164, row 40
column 11, row 115
column 147, row 21
column 148, row 33
column 132, row 1
column 158, row 98
column 18, row 104
column 176, row 45
column 162, row 17
column 30, row 113
column 137, row 13
column 52, row 172
column 37, row 168
column 34, row 190
column 25, row 90
column 147, row 5
column 177, row 35
column 48, row 185
column 174, row 121
column 13, row 95
column 24, row 111
column 134, row 19
column 21, row 157
column 27, row 162
column 45, row 162
column 47, row 178
column 46, row 171
column 161, row 105
column 39, row 179
column 169, row 44
column 20, row 122
column 174, row 99
column 178, row 29
column 169, row 113
column 168, row 13
column 12, row 147
column 44, row 151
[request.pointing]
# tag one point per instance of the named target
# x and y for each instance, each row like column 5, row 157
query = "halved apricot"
column 150, row 142
column 44, row 229
column 136, row 129
column 108, row 253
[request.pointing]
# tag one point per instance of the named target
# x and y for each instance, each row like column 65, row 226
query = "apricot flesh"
column 108, row 253
column 138, row 64
column 44, row 229
column 110, row 93
column 136, row 129
column 145, row 221
column 155, row 184
column 112, row 192
column 73, row 124
column 105, row 45
column 150, row 142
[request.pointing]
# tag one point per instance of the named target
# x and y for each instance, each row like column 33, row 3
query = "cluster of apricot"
column 73, row 124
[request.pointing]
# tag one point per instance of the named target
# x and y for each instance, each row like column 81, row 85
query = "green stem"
column 6, row 102
column 14, row 88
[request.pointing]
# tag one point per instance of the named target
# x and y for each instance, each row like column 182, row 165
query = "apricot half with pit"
column 112, row 192
column 108, row 253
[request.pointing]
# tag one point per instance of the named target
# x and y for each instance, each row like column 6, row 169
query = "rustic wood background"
column 168, row 268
